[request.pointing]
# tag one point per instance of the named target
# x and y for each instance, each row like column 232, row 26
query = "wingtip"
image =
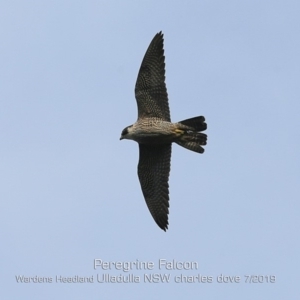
column 162, row 221
column 160, row 34
column 163, row 226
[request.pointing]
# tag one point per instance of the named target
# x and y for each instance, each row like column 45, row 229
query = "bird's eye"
column 125, row 131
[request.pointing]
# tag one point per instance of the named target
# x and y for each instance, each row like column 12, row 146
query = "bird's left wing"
column 150, row 89
column 153, row 171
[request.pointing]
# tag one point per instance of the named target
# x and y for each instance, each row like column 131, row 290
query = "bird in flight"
column 155, row 132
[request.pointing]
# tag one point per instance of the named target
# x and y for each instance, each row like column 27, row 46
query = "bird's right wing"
column 150, row 89
column 153, row 171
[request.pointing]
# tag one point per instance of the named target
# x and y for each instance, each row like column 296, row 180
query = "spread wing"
column 153, row 172
column 150, row 89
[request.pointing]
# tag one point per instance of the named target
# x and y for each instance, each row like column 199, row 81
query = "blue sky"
column 69, row 188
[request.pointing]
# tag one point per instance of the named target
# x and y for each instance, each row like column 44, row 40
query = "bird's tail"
column 191, row 138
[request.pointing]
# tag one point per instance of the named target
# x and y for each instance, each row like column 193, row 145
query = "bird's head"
column 126, row 133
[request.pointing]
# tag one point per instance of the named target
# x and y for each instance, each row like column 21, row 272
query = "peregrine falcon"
column 155, row 132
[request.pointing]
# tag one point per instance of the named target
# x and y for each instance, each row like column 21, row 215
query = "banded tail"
column 191, row 138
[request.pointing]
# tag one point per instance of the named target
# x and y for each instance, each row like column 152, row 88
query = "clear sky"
column 69, row 188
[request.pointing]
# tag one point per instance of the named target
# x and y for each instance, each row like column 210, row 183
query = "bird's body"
column 152, row 131
column 155, row 132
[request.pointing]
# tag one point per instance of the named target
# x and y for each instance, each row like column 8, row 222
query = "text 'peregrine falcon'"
column 155, row 133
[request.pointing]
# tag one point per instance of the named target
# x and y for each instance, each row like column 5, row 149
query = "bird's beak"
column 121, row 138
